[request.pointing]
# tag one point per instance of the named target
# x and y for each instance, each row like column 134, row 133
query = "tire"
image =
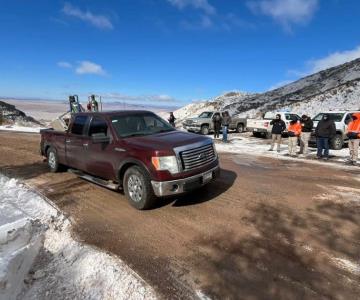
column 53, row 160
column 337, row 143
column 240, row 128
column 256, row 134
column 138, row 189
column 205, row 130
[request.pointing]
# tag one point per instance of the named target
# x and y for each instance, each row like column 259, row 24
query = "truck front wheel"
column 205, row 130
column 138, row 189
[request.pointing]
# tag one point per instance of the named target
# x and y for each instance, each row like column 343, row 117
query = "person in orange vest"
column 294, row 131
column 353, row 133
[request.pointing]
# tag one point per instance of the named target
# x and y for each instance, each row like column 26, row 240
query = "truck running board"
column 107, row 184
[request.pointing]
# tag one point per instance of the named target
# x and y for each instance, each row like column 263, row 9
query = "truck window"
column 336, row 117
column 139, row 125
column 206, row 115
column 98, row 126
column 78, row 125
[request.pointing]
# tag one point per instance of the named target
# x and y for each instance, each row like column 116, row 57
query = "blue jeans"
column 225, row 132
column 322, row 146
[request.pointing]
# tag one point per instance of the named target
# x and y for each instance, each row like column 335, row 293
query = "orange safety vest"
column 295, row 128
column 354, row 126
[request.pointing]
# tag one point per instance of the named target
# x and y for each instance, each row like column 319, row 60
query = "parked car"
column 262, row 127
column 133, row 150
column 204, row 124
column 341, row 119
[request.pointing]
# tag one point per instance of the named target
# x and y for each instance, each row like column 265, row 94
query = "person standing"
column 324, row 132
column 294, row 131
column 217, row 124
column 353, row 133
column 278, row 127
column 306, row 128
column 226, row 120
column 172, row 119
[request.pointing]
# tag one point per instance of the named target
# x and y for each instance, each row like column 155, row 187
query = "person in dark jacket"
column 172, row 119
column 278, row 127
column 324, row 132
column 306, row 128
column 217, row 119
column 226, row 120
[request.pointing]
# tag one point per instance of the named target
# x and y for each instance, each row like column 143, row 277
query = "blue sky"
column 169, row 51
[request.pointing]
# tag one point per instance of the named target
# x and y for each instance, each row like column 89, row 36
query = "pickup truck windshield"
column 206, row 115
column 139, row 125
column 336, row 117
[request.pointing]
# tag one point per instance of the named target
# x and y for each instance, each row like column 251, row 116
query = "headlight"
column 163, row 163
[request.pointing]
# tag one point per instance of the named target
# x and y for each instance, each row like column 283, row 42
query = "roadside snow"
column 244, row 144
column 36, row 247
column 20, row 128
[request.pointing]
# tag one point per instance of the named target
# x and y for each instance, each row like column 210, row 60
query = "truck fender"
column 128, row 163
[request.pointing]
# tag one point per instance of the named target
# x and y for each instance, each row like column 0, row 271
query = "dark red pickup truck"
column 134, row 150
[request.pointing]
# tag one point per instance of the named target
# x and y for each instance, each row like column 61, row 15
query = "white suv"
column 341, row 119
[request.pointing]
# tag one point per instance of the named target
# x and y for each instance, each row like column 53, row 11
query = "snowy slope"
column 10, row 115
column 334, row 88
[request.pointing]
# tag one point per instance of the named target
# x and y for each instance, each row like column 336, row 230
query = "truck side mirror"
column 100, row 139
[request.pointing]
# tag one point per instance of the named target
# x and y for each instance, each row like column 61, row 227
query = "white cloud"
column 140, row 98
column 98, row 21
column 203, row 5
column 286, row 12
column 334, row 59
column 64, row 64
column 203, row 23
column 88, row 67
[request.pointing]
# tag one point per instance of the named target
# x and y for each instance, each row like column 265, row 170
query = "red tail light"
column 266, row 124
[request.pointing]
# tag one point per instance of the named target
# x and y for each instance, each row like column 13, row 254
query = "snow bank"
column 36, row 247
column 20, row 128
column 244, row 144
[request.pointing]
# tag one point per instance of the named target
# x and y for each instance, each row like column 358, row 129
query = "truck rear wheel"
column 53, row 160
column 138, row 189
column 205, row 130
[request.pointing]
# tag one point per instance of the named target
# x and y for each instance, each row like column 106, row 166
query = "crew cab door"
column 75, row 143
column 101, row 157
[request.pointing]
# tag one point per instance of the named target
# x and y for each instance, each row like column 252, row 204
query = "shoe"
column 270, row 150
column 319, row 157
column 326, row 158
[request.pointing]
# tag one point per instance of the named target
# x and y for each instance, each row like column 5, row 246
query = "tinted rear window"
column 78, row 125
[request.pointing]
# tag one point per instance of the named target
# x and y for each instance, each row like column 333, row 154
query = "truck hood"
column 166, row 141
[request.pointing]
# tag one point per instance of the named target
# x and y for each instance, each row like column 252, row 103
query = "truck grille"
column 197, row 157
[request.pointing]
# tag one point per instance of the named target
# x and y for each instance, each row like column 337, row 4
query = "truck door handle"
column 68, row 141
column 86, row 145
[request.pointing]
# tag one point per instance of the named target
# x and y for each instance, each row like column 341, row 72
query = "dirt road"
column 266, row 229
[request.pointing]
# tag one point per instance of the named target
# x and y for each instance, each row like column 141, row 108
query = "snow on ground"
column 20, row 128
column 36, row 247
column 244, row 144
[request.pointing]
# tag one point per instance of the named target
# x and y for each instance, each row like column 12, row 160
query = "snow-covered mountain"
column 334, row 88
column 9, row 114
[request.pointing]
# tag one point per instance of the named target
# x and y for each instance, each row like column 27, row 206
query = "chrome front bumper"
column 180, row 186
column 194, row 128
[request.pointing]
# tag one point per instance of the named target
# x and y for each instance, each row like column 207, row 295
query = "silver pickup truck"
column 204, row 124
